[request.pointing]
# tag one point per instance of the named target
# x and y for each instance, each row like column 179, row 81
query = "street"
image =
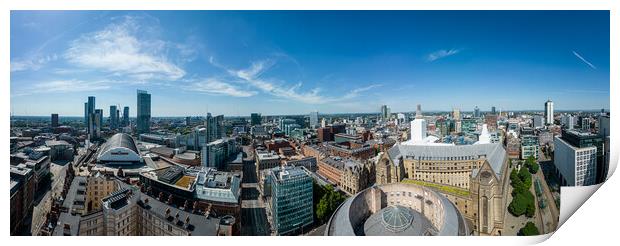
column 253, row 212
column 58, row 170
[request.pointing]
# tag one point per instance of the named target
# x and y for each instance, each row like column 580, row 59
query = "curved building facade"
column 474, row 178
column 120, row 149
column 397, row 209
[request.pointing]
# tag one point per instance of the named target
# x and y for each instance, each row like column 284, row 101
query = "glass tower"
column 144, row 112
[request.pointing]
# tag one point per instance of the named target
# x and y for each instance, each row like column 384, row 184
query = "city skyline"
column 297, row 62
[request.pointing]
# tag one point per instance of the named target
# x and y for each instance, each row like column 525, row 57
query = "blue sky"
column 294, row 62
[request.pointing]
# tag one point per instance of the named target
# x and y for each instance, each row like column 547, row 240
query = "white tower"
column 418, row 126
column 549, row 112
column 484, row 137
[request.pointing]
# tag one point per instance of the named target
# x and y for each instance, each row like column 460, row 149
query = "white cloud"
column 117, row 49
column 214, row 86
column 252, row 77
column 441, row 54
column 33, row 64
column 65, row 86
column 584, row 60
column 355, row 92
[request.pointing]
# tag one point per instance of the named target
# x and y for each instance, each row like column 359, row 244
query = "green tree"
column 529, row 230
column 328, row 203
column 518, row 206
column 531, row 207
column 526, row 177
column 532, row 164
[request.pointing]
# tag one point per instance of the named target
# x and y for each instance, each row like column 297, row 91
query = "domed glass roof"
column 396, row 218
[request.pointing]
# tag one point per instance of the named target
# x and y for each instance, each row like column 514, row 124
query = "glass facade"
column 144, row 112
column 291, row 200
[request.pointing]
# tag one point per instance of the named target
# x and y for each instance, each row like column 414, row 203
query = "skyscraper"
column 144, row 112
column 126, row 116
column 118, row 118
column 493, row 110
column 314, row 119
column 549, row 112
column 255, row 119
column 538, row 121
column 215, row 127
column 95, row 120
column 90, row 110
column 113, row 117
column 385, row 112
column 86, row 114
column 54, row 120
column 568, row 121
column 476, row 112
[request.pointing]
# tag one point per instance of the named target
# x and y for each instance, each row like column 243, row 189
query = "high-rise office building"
column 576, row 165
column 493, row 110
column 126, row 116
column 538, row 121
column 584, row 123
column 603, row 125
column 256, row 119
column 54, row 120
column 95, row 121
column 314, row 119
column 118, row 118
column 113, row 117
column 188, row 120
column 476, row 112
column 86, row 114
column 90, row 110
column 91, row 104
column 568, row 121
column 385, row 112
column 143, row 123
column 216, row 153
column 549, row 112
column 215, row 127
column 291, row 199
column 580, row 157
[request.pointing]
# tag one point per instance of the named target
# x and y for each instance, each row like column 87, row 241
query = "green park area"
column 523, row 202
column 442, row 188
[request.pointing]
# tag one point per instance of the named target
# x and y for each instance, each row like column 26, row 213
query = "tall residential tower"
column 549, row 112
column 144, row 112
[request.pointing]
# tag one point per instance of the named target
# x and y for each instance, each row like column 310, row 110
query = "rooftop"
column 120, row 140
column 289, row 172
column 341, row 163
column 56, row 142
column 494, row 153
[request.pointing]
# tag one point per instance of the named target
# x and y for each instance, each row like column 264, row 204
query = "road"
column 254, row 221
column 550, row 213
column 40, row 210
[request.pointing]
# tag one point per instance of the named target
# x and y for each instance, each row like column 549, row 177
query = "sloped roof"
column 494, row 152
